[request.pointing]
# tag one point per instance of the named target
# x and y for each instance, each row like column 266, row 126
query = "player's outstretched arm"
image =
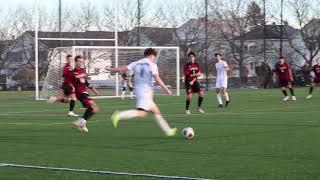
column 291, row 76
column 161, row 83
column 274, row 77
column 118, row 69
column 95, row 91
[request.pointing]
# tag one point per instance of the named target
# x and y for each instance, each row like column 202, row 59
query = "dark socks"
column 187, row 104
column 291, row 91
column 284, row 92
column 200, row 99
column 310, row 90
column 87, row 114
column 72, row 102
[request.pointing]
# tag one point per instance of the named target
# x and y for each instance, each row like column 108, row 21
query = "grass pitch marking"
column 100, row 172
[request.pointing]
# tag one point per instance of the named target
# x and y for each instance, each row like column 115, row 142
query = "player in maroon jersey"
column 66, row 93
column 283, row 71
column 192, row 72
column 315, row 73
column 81, row 84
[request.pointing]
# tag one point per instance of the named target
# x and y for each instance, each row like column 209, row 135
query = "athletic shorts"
column 222, row 83
column 285, row 83
column 144, row 99
column 194, row 88
column 67, row 89
column 84, row 99
column 316, row 80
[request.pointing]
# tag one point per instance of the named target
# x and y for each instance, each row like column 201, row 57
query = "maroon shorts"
column 67, row 89
column 285, row 83
column 194, row 88
column 316, row 80
column 84, row 99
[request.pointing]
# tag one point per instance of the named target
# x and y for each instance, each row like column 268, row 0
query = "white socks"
column 128, row 114
column 83, row 121
column 219, row 98
column 162, row 123
column 226, row 95
column 131, row 93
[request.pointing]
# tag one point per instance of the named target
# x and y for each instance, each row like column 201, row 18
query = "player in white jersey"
column 221, row 80
column 145, row 73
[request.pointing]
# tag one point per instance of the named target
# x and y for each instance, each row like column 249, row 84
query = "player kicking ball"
column 192, row 72
column 282, row 69
column 81, row 84
column 221, row 80
column 66, row 92
column 145, row 72
column 315, row 73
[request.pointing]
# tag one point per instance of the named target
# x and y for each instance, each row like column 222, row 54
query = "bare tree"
column 235, row 20
column 189, row 22
column 307, row 41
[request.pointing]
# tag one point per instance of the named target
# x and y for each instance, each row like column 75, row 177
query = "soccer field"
column 257, row 137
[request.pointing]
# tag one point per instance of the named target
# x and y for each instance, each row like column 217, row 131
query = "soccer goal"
column 109, row 84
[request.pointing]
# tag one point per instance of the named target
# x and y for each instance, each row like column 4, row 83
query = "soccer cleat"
column 309, row 96
column 201, row 110
column 71, row 113
column 227, row 103
column 81, row 126
column 220, row 106
column 77, row 123
column 188, row 112
column 293, row 98
column 115, row 119
column 52, row 100
column 171, row 132
column 131, row 97
column 286, row 98
column 84, row 128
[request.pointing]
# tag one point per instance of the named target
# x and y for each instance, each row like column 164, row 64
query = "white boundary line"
column 45, row 124
column 99, row 172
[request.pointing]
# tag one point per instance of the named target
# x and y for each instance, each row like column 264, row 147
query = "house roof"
column 159, row 36
column 272, row 32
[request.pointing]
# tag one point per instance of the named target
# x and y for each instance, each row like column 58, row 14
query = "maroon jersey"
column 191, row 68
column 316, row 70
column 67, row 74
column 283, row 71
column 80, row 81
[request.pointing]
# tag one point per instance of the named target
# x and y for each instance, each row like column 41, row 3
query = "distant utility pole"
column 264, row 32
column 60, row 34
column 206, row 43
column 281, row 26
column 138, row 18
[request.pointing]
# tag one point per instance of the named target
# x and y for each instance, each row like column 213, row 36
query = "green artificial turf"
column 257, row 137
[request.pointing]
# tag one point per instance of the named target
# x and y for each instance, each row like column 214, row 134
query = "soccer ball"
column 188, row 132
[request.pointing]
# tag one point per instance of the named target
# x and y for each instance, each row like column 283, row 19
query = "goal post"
column 109, row 84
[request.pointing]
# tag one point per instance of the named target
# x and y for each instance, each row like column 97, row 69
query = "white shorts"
column 144, row 99
column 222, row 83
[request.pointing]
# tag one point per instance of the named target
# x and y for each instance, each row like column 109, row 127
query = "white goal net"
column 110, row 84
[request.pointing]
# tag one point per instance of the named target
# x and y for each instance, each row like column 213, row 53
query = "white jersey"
column 144, row 71
column 221, row 71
